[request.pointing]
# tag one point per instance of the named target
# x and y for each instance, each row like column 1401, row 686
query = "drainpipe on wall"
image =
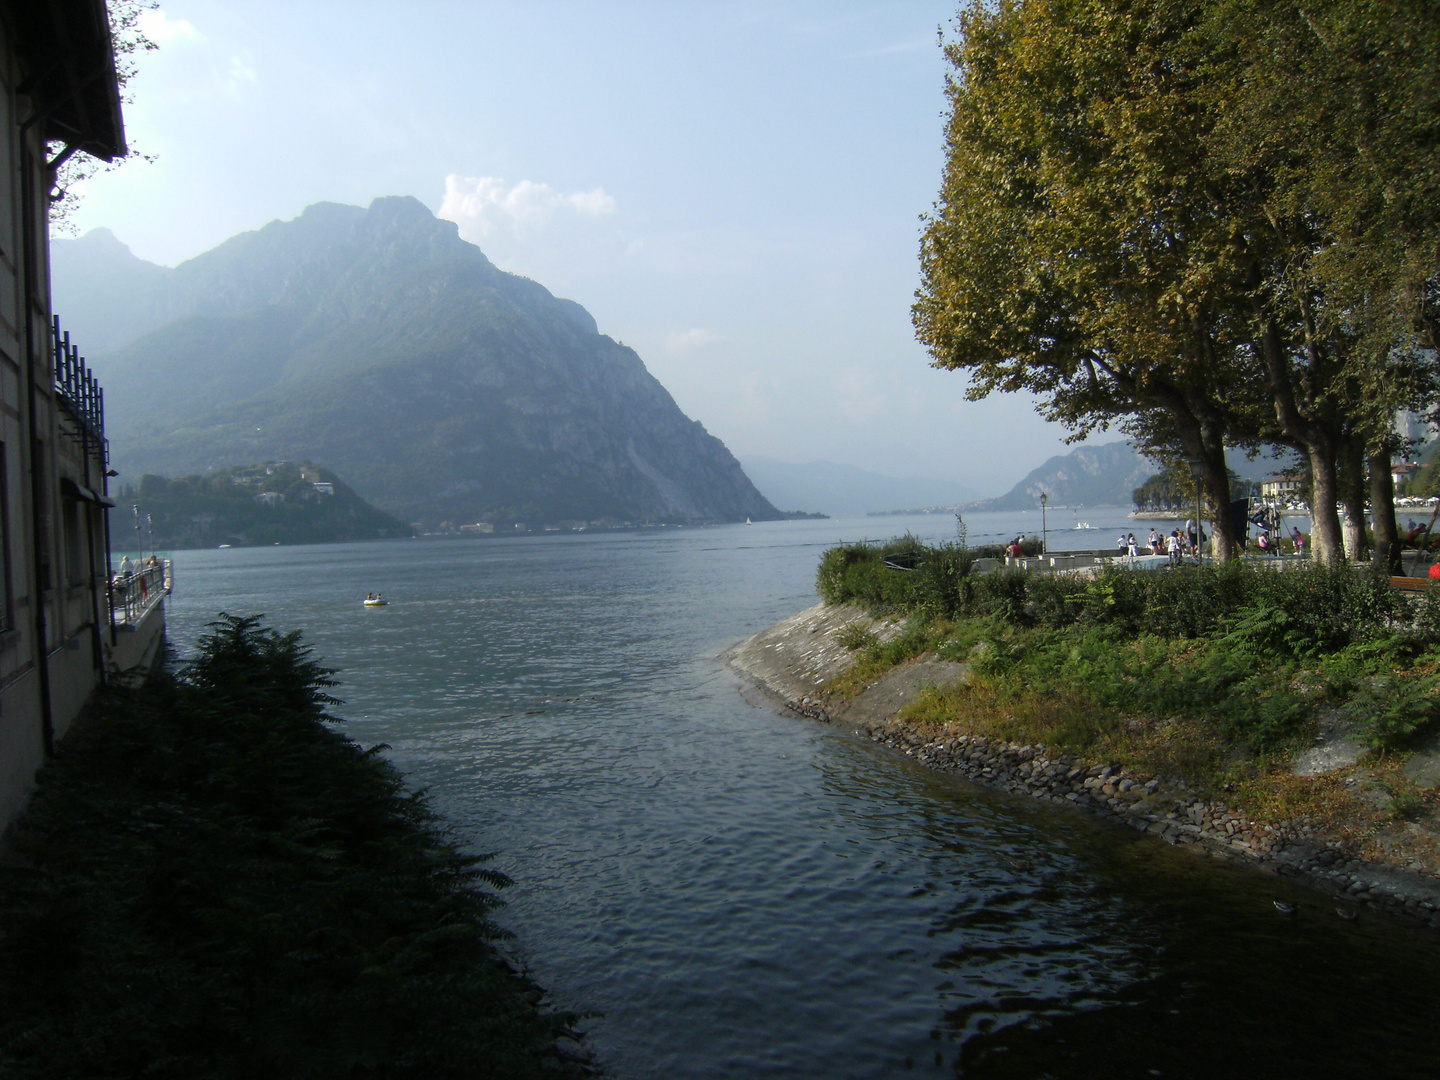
column 105, row 516
column 28, row 260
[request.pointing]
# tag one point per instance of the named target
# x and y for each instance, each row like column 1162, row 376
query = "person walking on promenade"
column 1154, row 541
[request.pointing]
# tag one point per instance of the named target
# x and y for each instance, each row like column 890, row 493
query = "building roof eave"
column 70, row 75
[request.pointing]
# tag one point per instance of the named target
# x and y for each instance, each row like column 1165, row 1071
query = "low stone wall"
column 792, row 661
column 138, row 646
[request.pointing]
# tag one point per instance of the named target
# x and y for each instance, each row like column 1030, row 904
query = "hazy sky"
column 733, row 189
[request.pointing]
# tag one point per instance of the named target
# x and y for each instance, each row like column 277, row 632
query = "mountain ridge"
column 377, row 341
column 1102, row 475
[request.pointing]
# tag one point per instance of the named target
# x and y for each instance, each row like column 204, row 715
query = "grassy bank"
column 212, row 881
column 1216, row 676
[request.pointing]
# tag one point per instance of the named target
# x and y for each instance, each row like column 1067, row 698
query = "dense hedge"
column 905, row 574
column 1311, row 609
column 1254, row 651
column 217, row 883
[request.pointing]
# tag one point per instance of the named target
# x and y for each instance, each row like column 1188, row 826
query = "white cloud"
column 195, row 58
column 238, row 77
column 684, row 341
column 482, row 204
column 165, row 31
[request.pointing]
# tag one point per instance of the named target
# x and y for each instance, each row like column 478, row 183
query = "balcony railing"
column 133, row 594
column 80, row 394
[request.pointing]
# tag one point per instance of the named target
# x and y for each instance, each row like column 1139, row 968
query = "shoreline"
column 790, row 664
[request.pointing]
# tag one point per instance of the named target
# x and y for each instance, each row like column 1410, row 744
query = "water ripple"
column 745, row 894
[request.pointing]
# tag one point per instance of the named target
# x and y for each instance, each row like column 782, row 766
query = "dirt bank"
column 794, row 663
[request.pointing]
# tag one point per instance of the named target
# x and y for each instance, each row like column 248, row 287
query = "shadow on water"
column 1070, row 948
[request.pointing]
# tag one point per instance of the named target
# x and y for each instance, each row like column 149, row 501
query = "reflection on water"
column 746, row 894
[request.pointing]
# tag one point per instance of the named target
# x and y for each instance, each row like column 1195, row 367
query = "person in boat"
column 369, row 596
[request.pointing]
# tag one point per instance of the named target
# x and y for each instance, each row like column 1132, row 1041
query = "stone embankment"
column 791, row 663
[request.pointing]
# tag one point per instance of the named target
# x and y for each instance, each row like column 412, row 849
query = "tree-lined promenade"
column 1213, row 223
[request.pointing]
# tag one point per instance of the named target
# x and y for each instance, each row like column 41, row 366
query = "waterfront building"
column 63, row 630
column 1285, row 487
column 1401, row 473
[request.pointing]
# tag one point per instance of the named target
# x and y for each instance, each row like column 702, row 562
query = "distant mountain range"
column 847, row 491
column 378, row 343
column 1105, row 475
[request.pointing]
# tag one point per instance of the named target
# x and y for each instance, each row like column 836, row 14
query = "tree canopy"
column 1138, row 225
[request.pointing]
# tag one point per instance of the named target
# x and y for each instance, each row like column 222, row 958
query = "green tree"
column 1081, row 248
column 1211, row 221
column 1333, row 109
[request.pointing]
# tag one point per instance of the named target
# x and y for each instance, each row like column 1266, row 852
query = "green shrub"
column 1328, row 607
column 222, row 885
column 943, row 585
column 1395, row 711
column 1302, row 612
column 1251, row 650
column 853, row 636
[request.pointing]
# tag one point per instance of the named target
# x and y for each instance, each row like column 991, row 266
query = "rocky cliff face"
column 378, row 342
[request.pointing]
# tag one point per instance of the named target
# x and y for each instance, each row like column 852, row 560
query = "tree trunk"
column 1216, row 482
column 1382, row 506
column 1301, row 429
column 1325, row 520
column 1351, row 478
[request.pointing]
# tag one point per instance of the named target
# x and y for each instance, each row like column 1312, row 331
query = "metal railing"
column 76, row 387
column 133, row 594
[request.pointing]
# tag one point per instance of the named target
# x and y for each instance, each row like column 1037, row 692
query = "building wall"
column 53, row 618
column 21, row 730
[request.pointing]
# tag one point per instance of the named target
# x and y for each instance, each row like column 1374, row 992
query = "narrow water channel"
column 747, row 894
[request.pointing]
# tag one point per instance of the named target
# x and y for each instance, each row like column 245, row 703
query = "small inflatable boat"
column 376, row 602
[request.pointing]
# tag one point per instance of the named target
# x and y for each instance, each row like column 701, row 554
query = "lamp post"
column 139, row 545
column 1044, row 528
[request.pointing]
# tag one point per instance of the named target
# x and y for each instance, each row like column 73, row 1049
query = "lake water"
column 748, row 894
